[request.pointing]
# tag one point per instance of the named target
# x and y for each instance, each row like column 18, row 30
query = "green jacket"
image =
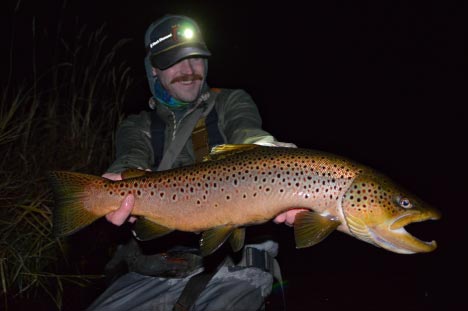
column 239, row 122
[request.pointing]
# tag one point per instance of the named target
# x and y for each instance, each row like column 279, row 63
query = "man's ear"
column 154, row 71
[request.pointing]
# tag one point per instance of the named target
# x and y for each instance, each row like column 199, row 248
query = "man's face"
column 184, row 79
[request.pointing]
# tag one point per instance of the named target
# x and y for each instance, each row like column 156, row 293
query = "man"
column 188, row 119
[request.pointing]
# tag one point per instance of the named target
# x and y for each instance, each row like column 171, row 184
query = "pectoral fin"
column 237, row 239
column 311, row 228
column 146, row 229
column 212, row 239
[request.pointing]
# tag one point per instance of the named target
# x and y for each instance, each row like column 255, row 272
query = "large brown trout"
column 242, row 185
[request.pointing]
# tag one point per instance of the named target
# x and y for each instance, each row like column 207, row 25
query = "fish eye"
column 405, row 203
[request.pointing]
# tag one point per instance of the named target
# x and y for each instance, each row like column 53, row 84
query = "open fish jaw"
column 395, row 237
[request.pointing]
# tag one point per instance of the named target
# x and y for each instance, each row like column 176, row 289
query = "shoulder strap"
column 157, row 137
column 214, row 135
column 200, row 140
column 206, row 135
column 192, row 290
column 179, row 142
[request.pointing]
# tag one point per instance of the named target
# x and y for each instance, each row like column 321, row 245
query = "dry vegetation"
column 61, row 117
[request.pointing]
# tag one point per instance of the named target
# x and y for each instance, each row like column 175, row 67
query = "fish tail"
column 70, row 213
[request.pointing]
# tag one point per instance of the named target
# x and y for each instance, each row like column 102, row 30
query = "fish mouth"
column 395, row 237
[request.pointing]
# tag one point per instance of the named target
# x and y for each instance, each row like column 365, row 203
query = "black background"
column 381, row 82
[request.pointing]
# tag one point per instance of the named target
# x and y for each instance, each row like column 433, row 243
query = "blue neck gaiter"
column 165, row 98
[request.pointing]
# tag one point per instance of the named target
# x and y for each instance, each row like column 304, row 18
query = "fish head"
column 377, row 210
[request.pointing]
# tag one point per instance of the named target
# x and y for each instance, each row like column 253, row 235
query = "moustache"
column 192, row 77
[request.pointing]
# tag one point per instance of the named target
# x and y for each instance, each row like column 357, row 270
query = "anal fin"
column 212, row 239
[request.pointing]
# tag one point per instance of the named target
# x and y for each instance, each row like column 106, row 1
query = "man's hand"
column 119, row 216
column 289, row 216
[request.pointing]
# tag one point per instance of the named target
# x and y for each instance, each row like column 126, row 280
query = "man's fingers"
column 280, row 218
column 289, row 216
column 119, row 216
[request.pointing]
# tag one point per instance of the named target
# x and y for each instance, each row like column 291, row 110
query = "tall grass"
column 62, row 118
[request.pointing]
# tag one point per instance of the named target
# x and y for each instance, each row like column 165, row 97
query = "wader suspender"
column 205, row 136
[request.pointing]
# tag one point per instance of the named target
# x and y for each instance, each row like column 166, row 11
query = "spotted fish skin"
column 245, row 185
column 247, row 188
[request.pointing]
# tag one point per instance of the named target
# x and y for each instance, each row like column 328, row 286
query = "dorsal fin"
column 133, row 173
column 223, row 151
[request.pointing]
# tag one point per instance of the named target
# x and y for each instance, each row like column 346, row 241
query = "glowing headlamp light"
column 184, row 32
column 188, row 33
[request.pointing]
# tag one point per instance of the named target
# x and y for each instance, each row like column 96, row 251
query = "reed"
column 60, row 117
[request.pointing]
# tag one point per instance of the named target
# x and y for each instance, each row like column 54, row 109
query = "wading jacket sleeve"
column 239, row 122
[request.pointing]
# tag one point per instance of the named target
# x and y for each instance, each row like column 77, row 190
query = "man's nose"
column 186, row 66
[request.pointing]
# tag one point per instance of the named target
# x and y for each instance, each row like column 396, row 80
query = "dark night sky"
column 380, row 82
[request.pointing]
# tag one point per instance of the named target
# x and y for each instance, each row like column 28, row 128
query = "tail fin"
column 70, row 213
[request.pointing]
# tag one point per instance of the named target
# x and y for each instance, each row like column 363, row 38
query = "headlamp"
column 188, row 33
column 173, row 38
column 183, row 33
